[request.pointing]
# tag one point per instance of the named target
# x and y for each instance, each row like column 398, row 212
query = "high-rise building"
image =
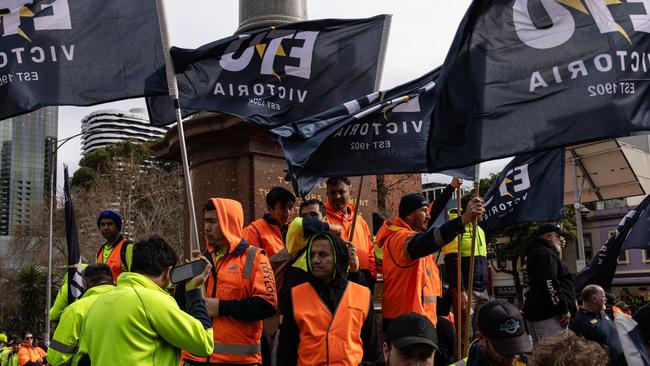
column 26, row 164
column 102, row 128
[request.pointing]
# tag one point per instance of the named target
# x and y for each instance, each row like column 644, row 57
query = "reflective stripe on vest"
column 58, row 346
column 114, row 259
column 460, row 363
column 327, row 338
column 238, row 349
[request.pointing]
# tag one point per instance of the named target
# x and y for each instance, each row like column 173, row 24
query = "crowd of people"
column 300, row 292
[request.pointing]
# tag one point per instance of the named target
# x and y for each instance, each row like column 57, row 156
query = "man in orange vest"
column 268, row 232
column 340, row 211
column 240, row 291
column 327, row 319
column 117, row 252
column 28, row 354
column 411, row 276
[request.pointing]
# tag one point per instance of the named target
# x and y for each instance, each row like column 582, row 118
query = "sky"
column 421, row 33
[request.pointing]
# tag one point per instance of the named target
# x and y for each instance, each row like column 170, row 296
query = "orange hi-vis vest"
column 326, row 338
column 237, row 341
column 264, row 235
column 361, row 238
column 410, row 285
column 114, row 260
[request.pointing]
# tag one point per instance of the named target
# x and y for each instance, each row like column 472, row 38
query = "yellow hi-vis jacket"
column 61, row 301
column 66, row 336
column 139, row 324
column 466, row 241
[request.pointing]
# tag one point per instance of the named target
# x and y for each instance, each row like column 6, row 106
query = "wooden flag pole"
column 470, row 279
column 356, row 210
column 459, row 288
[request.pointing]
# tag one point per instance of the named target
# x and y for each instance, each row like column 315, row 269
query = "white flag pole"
column 173, row 92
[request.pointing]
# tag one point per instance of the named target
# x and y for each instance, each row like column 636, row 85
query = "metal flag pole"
column 356, row 210
column 48, row 285
column 173, row 92
column 470, row 277
column 459, row 288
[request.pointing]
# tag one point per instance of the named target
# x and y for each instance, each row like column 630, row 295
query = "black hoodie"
column 551, row 292
column 331, row 294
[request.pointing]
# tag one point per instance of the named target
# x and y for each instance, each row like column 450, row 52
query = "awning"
column 605, row 170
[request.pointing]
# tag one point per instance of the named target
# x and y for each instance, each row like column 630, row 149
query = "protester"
column 240, row 292
column 117, row 252
column 592, row 323
column 446, row 341
column 10, row 356
column 642, row 317
column 340, row 211
column 501, row 338
column 97, row 279
column 411, row 278
column 268, row 232
column 327, row 319
column 29, row 354
column 567, row 348
column 480, row 278
column 139, row 323
column 550, row 301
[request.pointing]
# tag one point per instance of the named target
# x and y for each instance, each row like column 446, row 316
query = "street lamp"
column 48, row 286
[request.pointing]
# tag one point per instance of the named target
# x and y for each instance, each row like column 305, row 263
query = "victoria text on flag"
column 275, row 75
column 524, row 76
column 530, row 188
column 75, row 52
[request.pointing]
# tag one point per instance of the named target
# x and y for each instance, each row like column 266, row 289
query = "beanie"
column 410, row 203
column 113, row 215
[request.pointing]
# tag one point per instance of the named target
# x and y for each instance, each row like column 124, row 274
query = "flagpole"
column 356, row 210
column 470, row 277
column 173, row 92
column 459, row 288
column 48, row 286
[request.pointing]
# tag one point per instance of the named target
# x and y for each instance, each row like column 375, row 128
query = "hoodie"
column 243, row 281
column 551, row 292
column 331, row 294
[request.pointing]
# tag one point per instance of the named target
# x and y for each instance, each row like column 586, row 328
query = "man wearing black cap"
column 411, row 276
column 501, row 338
column 550, row 300
column 117, row 252
column 411, row 339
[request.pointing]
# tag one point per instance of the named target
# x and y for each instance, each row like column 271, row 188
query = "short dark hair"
column 589, row 292
column 279, row 194
column 153, row 256
column 464, row 201
column 97, row 273
column 313, row 201
column 331, row 181
column 209, row 206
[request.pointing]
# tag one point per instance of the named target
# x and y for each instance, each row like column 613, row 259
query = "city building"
column 26, row 165
column 105, row 127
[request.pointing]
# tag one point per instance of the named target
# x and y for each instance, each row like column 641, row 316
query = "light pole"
column 48, row 286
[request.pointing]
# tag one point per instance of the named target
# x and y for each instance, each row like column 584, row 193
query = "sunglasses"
column 29, row 337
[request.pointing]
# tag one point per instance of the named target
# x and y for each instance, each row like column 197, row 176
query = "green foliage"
column 31, row 293
column 83, row 177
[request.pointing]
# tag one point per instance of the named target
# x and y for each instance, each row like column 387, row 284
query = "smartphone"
column 186, row 271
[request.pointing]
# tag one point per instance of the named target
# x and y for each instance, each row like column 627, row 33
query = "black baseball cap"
column 503, row 325
column 409, row 329
column 552, row 228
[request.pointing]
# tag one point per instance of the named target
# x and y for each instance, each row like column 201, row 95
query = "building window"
column 589, row 248
column 623, row 258
column 645, row 255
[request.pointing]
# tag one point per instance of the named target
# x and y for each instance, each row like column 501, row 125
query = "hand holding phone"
column 187, row 271
column 198, row 280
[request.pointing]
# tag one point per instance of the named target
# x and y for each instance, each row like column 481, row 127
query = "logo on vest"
column 233, row 268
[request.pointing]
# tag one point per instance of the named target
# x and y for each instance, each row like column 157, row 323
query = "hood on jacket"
column 390, row 228
column 230, row 215
column 339, row 249
column 540, row 243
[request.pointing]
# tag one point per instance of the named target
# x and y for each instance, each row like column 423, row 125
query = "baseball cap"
column 411, row 202
column 503, row 325
column 409, row 329
column 552, row 228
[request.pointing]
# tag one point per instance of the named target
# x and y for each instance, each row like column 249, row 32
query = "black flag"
column 632, row 232
column 75, row 284
column 381, row 133
column 524, row 76
column 274, row 75
column 530, row 188
column 75, row 52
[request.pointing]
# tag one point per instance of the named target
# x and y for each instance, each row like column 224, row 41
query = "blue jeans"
column 544, row 328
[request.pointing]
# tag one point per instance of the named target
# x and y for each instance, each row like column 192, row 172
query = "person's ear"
column 166, row 276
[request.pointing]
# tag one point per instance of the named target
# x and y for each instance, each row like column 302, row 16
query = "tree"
column 31, row 293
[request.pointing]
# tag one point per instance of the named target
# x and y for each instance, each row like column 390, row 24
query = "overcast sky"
column 421, row 33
